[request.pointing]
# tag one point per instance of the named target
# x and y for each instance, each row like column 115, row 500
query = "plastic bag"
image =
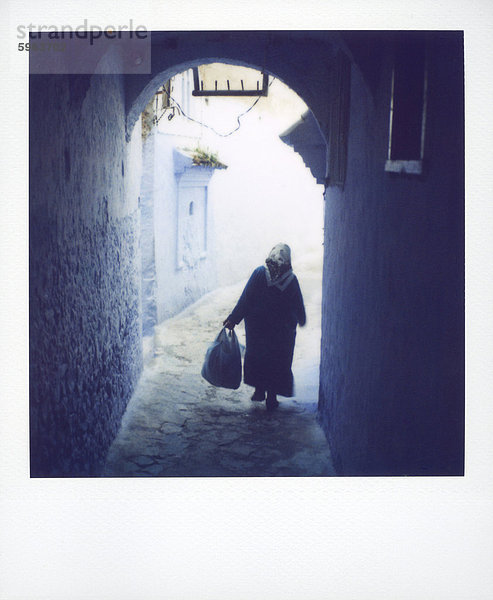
column 222, row 364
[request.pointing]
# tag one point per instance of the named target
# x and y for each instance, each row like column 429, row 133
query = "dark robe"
column 271, row 317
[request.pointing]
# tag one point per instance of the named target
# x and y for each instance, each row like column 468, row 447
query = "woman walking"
column 272, row 306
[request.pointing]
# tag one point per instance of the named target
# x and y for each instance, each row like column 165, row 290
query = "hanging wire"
column 205, row 124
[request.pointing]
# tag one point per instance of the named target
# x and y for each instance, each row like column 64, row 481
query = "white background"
column 299, row 539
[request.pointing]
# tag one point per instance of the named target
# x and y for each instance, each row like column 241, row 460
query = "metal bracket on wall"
column 198, row 87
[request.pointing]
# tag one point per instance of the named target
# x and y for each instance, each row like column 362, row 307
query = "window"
column 407, row 122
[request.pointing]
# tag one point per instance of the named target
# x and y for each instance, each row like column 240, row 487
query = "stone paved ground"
column 179, row 425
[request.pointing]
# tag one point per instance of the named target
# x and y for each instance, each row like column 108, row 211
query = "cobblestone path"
column 177, row 425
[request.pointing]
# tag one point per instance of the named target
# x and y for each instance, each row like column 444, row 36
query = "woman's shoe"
column 272, row 402
column 258, row 396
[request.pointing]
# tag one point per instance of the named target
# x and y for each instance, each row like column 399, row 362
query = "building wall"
column 85, row 325
column 392, row 371
column 149, row 281
column 185, row 271
column 266, row 194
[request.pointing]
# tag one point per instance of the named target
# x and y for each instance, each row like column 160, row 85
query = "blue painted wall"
column 85, row 327
column 392, row 372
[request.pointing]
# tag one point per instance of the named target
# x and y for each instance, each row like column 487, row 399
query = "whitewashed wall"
column 267, row 194
column 184, row 271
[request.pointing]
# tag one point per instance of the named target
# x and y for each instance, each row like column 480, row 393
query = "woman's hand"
column 229, row 324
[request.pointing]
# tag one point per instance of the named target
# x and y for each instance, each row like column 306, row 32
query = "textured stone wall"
column 392, row 370
column 149, row 283
column 85, row 326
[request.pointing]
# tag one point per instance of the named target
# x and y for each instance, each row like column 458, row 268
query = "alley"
column 176, row 424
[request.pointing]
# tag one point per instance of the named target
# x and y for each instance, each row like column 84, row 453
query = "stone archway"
column 393, row 369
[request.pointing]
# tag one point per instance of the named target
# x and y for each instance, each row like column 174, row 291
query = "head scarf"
column 278, row 267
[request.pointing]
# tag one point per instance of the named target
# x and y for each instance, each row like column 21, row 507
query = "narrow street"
column 177, row 424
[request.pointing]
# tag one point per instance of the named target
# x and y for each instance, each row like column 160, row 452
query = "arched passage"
column 139, row 102
column 180, row 342
column 392, row 375
column 265, row 52
column 86, row 333
column 304, row 135
column 269, row 52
